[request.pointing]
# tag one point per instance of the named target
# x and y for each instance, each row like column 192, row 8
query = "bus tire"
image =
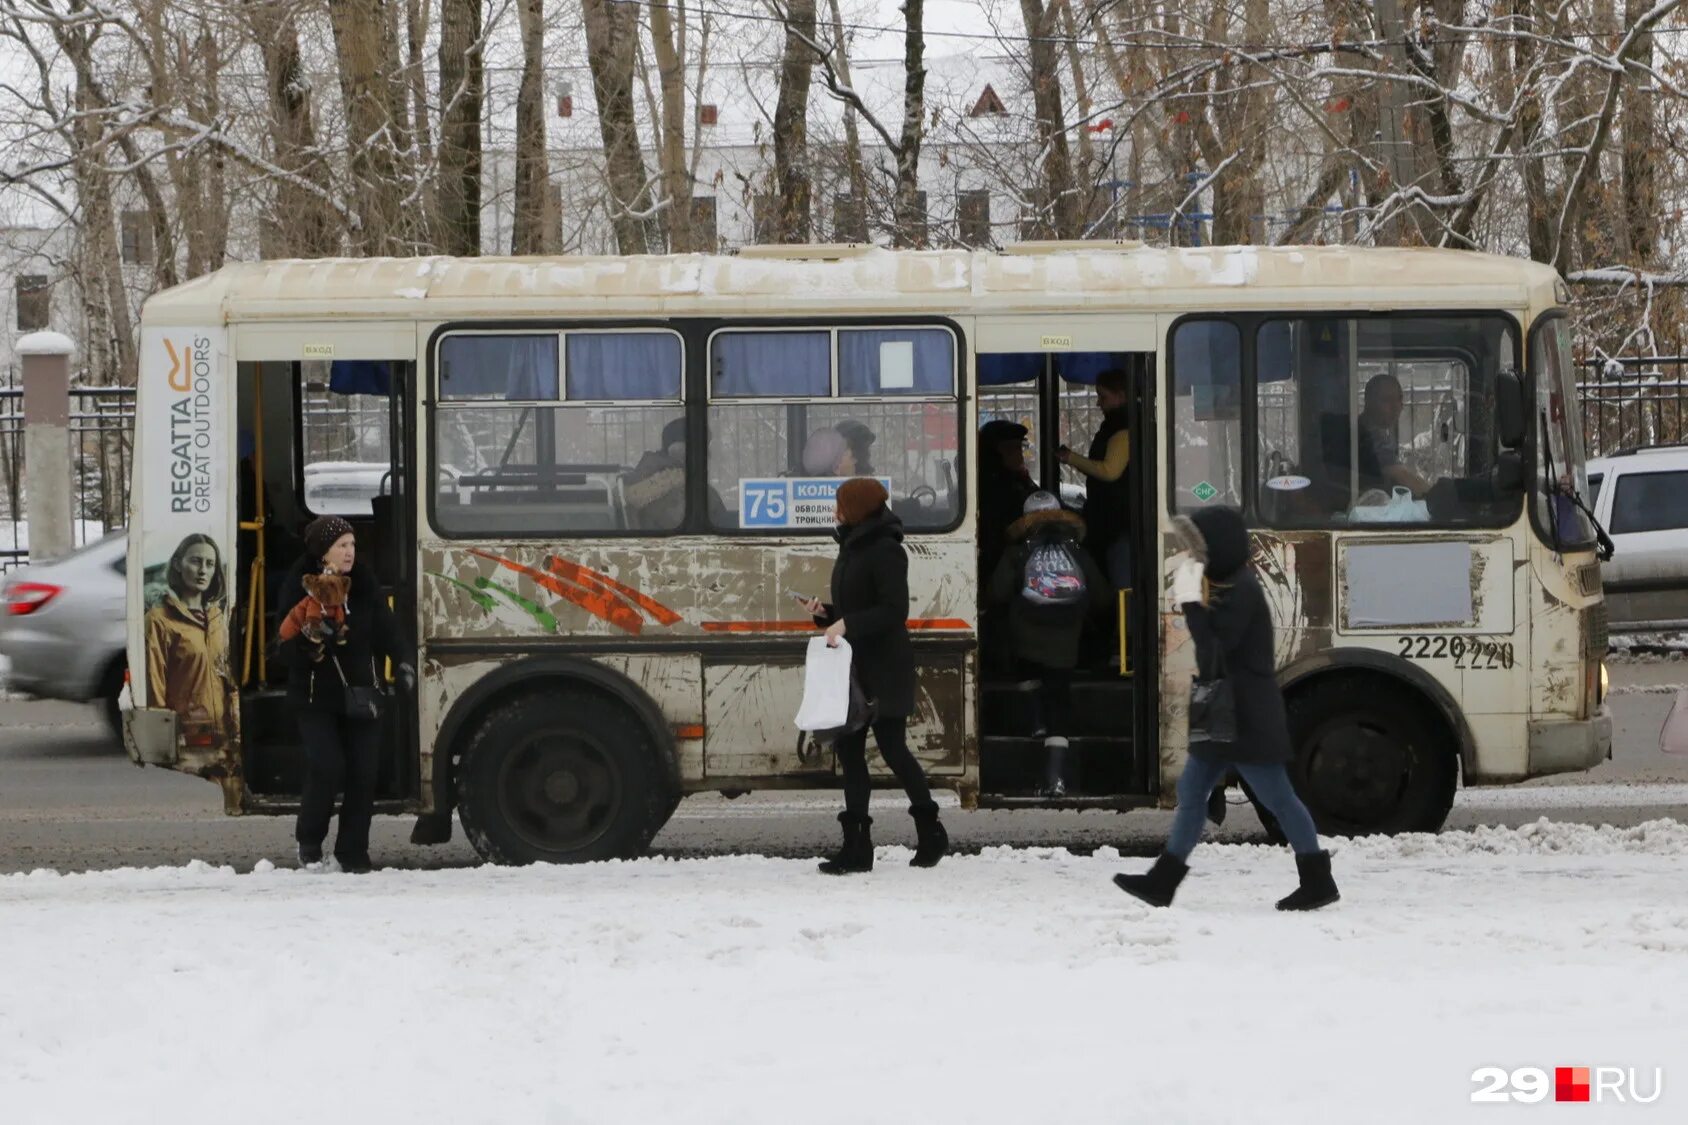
column 1372, row 757
column 563, row 775
column 111, row 687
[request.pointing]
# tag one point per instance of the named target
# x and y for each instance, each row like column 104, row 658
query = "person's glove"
column 1187, row 583
column 406, row 676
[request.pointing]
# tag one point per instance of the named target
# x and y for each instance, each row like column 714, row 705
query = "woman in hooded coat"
column 869, row 608
column 1232, row 630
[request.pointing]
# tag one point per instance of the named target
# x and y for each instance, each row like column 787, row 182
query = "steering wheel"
column 926, row 496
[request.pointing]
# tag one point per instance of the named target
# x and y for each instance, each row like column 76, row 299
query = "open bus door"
column 1113, row 756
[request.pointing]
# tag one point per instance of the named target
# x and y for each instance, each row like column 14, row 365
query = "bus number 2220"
column 1473, row 654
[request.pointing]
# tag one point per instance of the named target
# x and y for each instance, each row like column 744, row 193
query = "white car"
column 1641, row 498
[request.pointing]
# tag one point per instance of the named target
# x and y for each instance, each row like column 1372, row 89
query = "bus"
column 588, row 494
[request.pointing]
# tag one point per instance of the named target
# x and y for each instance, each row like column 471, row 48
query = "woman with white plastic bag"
column 869, row 606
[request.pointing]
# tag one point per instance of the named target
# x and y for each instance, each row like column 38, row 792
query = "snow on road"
column 1014, row 986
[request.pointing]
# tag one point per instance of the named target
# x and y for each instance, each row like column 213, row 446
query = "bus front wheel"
column 1371, row 758
column 565, row 775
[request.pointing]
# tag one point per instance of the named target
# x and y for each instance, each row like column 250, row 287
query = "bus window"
column 513, row 457
column 346, row 441
column 1353, row 410
column 896, row 415
column 1206, row 415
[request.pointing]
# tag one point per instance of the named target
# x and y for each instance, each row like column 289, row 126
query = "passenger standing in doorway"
column 1004, row 484
column 1107, row 504
column 869, row 608
column 1232, row 629
column 1045, row 624
column 342, row 752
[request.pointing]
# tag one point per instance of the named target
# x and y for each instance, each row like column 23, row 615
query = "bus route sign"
column 790, row 501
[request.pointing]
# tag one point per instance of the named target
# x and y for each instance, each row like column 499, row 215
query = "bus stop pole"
column 46, row 443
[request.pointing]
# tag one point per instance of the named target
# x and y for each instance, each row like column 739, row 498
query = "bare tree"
column 462, row 91
column 298, row 223
column 793, row 184
column 612, row 40
column 374, row 96
column 668, row 40
column 535, row 222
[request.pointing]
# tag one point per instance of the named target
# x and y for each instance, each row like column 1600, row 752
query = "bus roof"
column 1029, row 277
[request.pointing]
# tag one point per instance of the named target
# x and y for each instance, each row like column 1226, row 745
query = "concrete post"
column 46, row 443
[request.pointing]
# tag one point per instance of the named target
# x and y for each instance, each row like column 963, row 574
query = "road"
column 70, row 802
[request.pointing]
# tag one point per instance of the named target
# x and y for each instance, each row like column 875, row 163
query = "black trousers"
column 1054, row 697
column 341, row 755
column 892, row 737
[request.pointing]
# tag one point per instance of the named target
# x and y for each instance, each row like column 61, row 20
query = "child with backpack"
column 1051, row 586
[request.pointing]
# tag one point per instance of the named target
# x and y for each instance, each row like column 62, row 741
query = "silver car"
column 61, row 625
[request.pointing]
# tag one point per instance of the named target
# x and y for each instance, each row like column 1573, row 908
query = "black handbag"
column 367, row 704
column 1213, row 707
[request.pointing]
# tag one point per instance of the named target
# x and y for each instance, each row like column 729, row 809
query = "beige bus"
column 590, row 491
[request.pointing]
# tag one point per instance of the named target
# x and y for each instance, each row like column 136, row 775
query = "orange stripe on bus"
column 586, row 576
column 688, row 730
column 598, row 604
column 917, row 624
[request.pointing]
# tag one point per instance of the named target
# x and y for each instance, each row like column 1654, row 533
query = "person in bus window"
column 1004, row 485
column 869, row 608
column 1107, row 504
column 841, row 451
column 1232, row 630
column 1380, row 438
column 342, row 752
column 187, row 636
column 859, row 439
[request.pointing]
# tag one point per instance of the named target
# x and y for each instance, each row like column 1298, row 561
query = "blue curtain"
column 1274, row 352
column 1003, row 369
column 623, row 365
column 1206, row 353
column 767, row 364
column 858, row 361
column 360, row 377
column 508, row 367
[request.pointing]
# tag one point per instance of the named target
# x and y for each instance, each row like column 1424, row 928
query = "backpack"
column 1052, row 575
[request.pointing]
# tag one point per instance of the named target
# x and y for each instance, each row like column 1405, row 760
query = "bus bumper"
column 149, row 735
column 1562, row 746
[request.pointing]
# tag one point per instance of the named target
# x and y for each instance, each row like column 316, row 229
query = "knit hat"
column 322, row 533
column 1041, row 501
column 822, row 451
column 859, row 499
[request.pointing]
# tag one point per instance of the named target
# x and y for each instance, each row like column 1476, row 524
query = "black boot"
column 310, row 854
column 1157, row 885
column 933, row 840
column 1216, row 804
column 1317, row 887
column 1055, row 766
column 355, row 864
column 857, row 853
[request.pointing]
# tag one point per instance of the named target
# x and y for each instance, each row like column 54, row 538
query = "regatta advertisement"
column 183, row 511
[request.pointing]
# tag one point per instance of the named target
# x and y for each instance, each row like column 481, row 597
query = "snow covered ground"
column 1015, row 986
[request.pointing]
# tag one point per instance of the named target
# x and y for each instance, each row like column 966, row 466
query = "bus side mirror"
column 1509, row 472
column 1509, row 409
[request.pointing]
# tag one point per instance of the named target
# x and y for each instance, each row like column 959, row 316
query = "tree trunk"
column 611, row 41
column 366, row 50
column 1059, row 215
column 854, row 168
column 668, row 38
column 1641, row 150
column 910, row 218
column 791, row 126
column 419, row 16
column 461, row 93
column 1089, row 202
column 298, row 223
column 532, row 231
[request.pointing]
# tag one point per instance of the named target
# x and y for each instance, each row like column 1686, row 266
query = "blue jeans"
column 1270, row 783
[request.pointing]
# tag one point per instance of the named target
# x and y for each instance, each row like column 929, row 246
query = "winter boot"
column 1216, row 805
column 933, row 841
column 857, row 853
column 1054, row 766
column 355, row 864
column 1317, row 887
column 1157, row 885
column 310, row 855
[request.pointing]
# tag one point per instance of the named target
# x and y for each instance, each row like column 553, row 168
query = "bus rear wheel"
column 561, row 776
column 1370, row 759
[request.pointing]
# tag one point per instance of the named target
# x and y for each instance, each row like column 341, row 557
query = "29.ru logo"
column 1566, row 1084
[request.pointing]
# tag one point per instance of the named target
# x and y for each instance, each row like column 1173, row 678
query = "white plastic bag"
column 1400, row 508
column 1673, row 736
column 826, row 686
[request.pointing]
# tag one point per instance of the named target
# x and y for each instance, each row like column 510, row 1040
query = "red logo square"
column 1570, row 1083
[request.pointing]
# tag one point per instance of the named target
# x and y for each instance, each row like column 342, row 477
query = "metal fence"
column 1632, row 402
column 102, row 422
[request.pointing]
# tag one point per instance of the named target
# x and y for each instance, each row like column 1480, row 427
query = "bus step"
column 1122, row 802
column 1100, row 707
column 1011, row 765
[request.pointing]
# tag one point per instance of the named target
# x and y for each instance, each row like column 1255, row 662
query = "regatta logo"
column 189, row 380
column 1595, row 1084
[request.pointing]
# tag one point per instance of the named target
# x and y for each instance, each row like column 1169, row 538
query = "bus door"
column 329, row 437
column 1109, row 761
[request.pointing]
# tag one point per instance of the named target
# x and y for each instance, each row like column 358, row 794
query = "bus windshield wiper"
column 1568, row 489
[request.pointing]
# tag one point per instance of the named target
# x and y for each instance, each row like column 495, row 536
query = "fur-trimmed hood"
column 1028, row 525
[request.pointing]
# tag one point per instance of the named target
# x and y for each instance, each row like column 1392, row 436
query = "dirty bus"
column 589, row 487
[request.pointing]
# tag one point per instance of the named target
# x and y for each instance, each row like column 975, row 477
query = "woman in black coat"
column 342, row 750
column 869, row 607
column 1232, row 630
